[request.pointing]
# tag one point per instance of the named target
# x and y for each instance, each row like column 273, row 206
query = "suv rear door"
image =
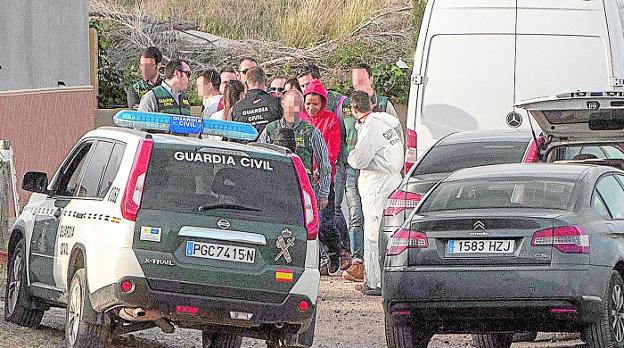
column 222, row 223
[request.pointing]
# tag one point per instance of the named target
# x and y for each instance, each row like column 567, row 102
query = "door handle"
column 57, row 213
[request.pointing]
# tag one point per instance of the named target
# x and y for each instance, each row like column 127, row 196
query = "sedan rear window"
column 499, row 193
column 452, row 157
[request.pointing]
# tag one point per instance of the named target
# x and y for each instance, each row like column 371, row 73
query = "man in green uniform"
column 149, row 62
column 311, row 147
column 170, row 96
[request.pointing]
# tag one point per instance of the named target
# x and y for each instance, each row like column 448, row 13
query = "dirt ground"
column 346, row 319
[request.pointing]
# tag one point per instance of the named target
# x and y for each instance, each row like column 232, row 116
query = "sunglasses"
column 188, row 73
column 276, row 89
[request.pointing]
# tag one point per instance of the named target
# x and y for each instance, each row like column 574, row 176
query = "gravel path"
column 346, row 319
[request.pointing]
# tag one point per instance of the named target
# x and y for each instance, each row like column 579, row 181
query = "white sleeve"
column 365, row 148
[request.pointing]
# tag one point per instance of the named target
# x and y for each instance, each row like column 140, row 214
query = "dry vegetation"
column 294, row 23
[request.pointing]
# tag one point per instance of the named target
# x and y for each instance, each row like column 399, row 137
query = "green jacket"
column 168, row 105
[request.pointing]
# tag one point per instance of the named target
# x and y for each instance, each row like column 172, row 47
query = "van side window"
column 70, row 174
column 111, row 169
column 613, row 194
column 94, row 170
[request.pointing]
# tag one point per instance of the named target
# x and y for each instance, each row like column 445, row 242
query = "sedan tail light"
column 401, row 200
column 308, row 199
column 571, row 239
column 404, row 239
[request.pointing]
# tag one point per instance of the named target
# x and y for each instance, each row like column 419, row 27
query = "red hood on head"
column 316, row 87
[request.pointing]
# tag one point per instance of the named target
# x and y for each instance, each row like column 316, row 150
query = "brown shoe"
column 324, row 270
column 355, row 273
column 345, row 260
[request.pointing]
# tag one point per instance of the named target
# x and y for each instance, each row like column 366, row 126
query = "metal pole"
column 4, row 193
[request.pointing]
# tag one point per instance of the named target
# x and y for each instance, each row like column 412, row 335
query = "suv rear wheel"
column 221, row 340
column 78, row 332
column 18, row 307
column 608, row 331
column 492, row 340
column 403, row 334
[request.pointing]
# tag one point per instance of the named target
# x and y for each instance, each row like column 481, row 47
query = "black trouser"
column 328, row 234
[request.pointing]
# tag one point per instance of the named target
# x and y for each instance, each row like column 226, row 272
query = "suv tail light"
column 308, row 198
column 532, row 153
column 403, row 239
column 401, row 200
column 131, row 201
column 410, row 153
column 570, row 239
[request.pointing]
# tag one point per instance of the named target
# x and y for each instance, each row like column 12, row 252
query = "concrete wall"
column 43, row 42
column 43, row 125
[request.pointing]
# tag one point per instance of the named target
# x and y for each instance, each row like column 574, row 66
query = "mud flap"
column 305, row 337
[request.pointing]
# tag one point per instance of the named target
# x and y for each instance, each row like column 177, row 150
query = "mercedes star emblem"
column 514, row 120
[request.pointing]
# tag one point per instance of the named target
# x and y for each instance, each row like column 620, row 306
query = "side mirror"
column 35, row 182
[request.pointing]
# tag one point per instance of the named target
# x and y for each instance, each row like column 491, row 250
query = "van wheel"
column 608, row 331
column 78, row 332
column 18, row 307
column 492, row 340
column 221, row 340
column 403, row 335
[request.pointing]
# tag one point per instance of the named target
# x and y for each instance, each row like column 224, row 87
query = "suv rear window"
column 452, row 157
column 499, row 193
column 220, row 181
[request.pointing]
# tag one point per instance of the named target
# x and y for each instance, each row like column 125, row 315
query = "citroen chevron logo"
column 479, row 225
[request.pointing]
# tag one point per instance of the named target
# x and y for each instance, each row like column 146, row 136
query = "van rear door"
column 562, row 45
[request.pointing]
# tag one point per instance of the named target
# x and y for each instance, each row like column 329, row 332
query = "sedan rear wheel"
column 405, row 335
column 492, row 340
column 608, row 331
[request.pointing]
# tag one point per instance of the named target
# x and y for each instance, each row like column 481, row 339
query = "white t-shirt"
column 211, row 105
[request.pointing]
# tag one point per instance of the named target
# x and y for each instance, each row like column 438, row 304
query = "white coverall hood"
column 378, row 154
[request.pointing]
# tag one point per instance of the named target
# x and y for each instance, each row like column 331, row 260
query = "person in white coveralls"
column 378, row 154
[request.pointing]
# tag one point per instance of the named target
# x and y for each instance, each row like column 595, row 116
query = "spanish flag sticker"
column 283, row 275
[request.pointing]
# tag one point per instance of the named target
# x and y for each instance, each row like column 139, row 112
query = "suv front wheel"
column 18, row 307
column 78, row 332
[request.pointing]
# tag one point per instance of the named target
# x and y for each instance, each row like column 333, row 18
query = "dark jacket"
column 258, row 108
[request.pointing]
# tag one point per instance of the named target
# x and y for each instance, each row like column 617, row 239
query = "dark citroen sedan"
column 507, row 248
column 453, row 152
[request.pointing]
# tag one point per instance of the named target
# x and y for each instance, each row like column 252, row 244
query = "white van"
column 476, row 59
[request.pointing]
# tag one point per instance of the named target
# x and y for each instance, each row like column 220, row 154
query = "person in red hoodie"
column 315, row 100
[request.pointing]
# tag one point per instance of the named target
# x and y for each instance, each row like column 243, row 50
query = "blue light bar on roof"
column 230, row 129
column 180, row 124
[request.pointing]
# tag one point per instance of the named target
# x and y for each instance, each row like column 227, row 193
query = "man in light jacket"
column 378, row 154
